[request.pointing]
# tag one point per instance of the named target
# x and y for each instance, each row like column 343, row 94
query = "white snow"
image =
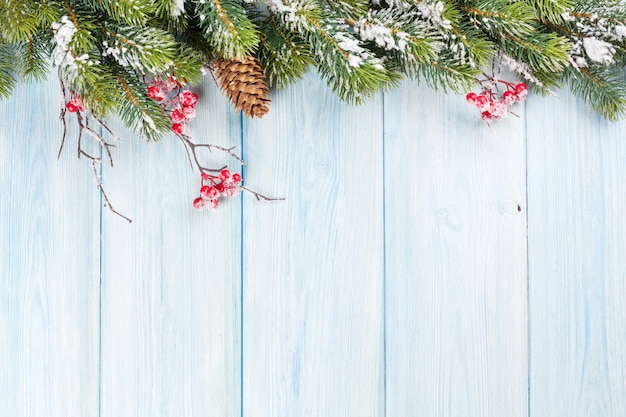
column 63, row 56
column 598, row 50
column 356, row 54
column 520, row 68
column 178, row 8
column 373, row 30
column 288, row 10
column 433, row 11
column 63, row 33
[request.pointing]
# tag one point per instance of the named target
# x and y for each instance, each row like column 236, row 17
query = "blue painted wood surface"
column 421, row 264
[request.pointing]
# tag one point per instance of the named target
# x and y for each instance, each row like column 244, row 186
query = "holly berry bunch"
column 179, row 103
column 214, row 187
column 75, row 104
column 491, row 103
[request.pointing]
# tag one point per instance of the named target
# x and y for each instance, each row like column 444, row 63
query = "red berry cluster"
column 76, row 103
column 493, row 105
column 179, row 103
column 212, row 187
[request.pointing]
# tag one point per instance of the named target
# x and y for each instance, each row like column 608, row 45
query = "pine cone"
column 244, row 84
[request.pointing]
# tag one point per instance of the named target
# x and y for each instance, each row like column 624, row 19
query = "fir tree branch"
column 135, row 13
column 72, row 15
column 283, row 56
column 7, row 82
column 227, row 28
column 32, row 57
column 603, row 88
column 138, row 111
column 147, row 50
column 501, row 16
column 588, row 15
column 19, row 20
column 545, row 53
column 551, row 10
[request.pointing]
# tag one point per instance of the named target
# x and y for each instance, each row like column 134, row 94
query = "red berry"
column 177, row 116
column 224, row 174
column 236, row 178
column 71, row 107
column 498, row 109
column 189, row 99
column 486, row 116
column 189, row 112
column 198, row 203
column 520, row 88
column 231, row 191
column 209, row 192
column 220, row 187
column 481, row 101
column 78, row 102
column 179, row 128
column 471, row 97
column 212, row 204
column 155, row 93
column 509, row 97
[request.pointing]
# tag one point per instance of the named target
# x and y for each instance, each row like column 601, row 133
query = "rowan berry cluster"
column 76, row 103
column 179, row 103
column 213, row 187
column 494, row 105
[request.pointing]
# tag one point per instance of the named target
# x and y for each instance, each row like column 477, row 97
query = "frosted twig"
column 62, row 117
column 109, row 131
column 260, row 196
column 191, row 147
column 83, row 125
column 107, row 203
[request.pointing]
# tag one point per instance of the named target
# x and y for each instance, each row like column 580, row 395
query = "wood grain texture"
column 408, row 273
column 171, row 280
column 455, row 259
column 577, row 206
column 49, row 264
column 313, row 264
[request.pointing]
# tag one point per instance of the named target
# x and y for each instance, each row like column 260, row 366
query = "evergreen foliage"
column 104, row 50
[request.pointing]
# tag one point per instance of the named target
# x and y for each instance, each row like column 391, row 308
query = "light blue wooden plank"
column 313, row 264
column 49, row 263
column 171, row 280
column 576, row 183
column 455, row 259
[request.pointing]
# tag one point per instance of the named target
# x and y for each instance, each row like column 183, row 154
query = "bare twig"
column 192, row 147
column 212, row 71
column 514, row 114
column 260, row 196
column 80, row 140
column 94, row 165
column 62, row 117
column 84, row 125
column 105, row 127
column 188, row 154
column 64, row 121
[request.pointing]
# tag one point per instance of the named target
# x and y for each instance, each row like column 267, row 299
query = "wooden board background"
column 421, row 264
